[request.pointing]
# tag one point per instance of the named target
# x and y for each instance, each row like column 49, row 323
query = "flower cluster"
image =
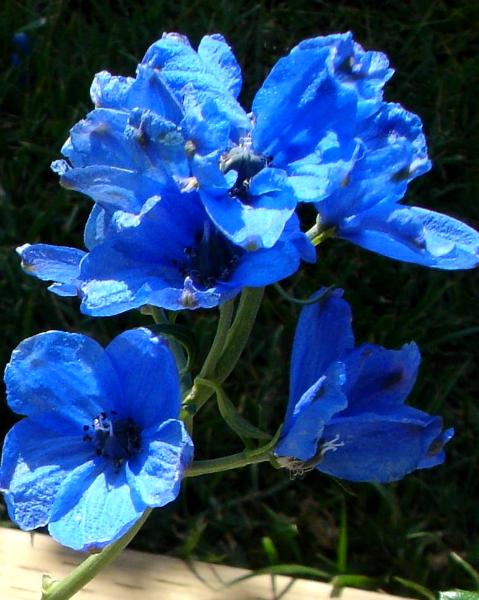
column 194, row 199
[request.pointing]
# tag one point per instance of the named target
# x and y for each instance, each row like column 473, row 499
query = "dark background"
column 257, row 516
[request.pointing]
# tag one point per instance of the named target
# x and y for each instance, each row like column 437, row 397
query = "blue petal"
column 414, row 235
column 98, row 225
column 180, row 65
column 156, row 473
column 378, row 378
column 319, row 174
column 131, row 268
column 51, row 367
column 298, row 87
column 364, row 72
column 147, row 91
column 268, row 265
column 110, row 91
column 323, row 334
column 35, row 462
column 436, row 455
column 162, row 144
column 99, row 140
column 379, row 447
column 306, row 419
column 205, row 124
column 392, row 151
column 215, row 52
column 151, row 91
column 53, row 263
column 93, row 508
column 111, row 187
column 260, row 222
column 148, row 376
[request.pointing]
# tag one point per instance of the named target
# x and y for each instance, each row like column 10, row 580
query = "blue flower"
column 365, row 208
column 346, row 414
column 170, row 255
column 178, row 122
column 101, row 440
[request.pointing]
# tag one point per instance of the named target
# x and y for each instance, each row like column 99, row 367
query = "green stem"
column 225, row 463
column 234, row 461
column 315, row 298
column 159, row 317
column 233, row 343
column 317, row 235
column 240, row 331
column 90, row 567
column 224, row 322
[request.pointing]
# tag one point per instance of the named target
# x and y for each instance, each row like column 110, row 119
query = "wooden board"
column 141, row 576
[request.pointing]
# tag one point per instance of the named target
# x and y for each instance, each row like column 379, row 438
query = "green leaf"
column 359, row 581
column 342, row 558
column 269, row 549
column 468, row 568
column 416, row 587
column 289, row 570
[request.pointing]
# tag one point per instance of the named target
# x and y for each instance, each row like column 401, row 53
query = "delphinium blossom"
column 346, row 414
column 101, row 441
column 168, row 257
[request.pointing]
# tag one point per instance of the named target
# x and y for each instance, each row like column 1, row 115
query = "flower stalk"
column 227, row 345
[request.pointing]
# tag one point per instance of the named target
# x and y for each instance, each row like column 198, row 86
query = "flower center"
column 114, row 437
column 246, row 163
column 212, row 259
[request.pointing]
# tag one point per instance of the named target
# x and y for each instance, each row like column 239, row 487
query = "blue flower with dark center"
column 346, row 414
column 170, row 255
column 101, row 441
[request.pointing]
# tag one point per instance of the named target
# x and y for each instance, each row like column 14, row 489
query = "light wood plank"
column 141, row 576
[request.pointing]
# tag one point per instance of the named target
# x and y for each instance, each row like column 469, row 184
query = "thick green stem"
column 90, row 567
column 224, row 322
column 225, row 463
column 160, row 318
column 234, row 461
column 317, row 235
column 240, row 331
column 233, row 343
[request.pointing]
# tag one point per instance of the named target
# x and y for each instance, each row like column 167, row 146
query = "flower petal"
column 323, row 334
column 304, row 424
column 53, row 263
column 156, row 473
column 148, row 376
column 298, row 87
column 35, row 462
column 94, row 507
column 215, row 52
column 260, row 222
column 414, row 235
column 49, row 368
column 180, row 65
column 378, row 378
column 381, row 447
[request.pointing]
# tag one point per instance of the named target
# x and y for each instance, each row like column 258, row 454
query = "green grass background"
column 257, row 517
